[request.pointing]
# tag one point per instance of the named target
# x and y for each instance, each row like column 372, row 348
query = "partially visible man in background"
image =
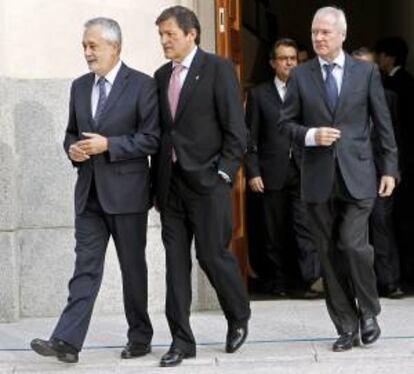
column 382, row 230
column 391, row 55
column 303, row 54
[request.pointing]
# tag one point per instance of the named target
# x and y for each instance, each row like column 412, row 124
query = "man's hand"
column 256, row 184
column 94, row 145
column 326, row 136
column 77, row 154
column 386, row 186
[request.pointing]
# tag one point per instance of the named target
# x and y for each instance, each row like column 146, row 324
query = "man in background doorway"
column 273, row 169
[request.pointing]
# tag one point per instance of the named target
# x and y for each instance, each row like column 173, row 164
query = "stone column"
column 9, row 250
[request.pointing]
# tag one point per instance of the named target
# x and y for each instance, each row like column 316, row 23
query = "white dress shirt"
column 186, row 63
column 394, row 70
column 109, row 82
column 281, row 88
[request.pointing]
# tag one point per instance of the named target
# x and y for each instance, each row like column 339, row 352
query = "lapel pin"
column 197, row 77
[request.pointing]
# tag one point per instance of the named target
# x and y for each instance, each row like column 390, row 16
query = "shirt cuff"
column 223, row 175
column 310, row 137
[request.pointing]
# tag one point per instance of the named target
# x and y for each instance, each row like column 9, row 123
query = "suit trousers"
column 340, row 228
column 93, row 228
column 387, row 261
column 283, row 210
column 207, row 218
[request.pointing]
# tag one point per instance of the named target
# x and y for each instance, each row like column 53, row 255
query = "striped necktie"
column 102, row 98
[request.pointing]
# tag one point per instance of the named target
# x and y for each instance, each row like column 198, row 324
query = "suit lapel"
column 85, row 100
column 346, row 84
column 164, row 83
column 318, row 79
column 116, row 91
column 191, row 80
column 273, row 92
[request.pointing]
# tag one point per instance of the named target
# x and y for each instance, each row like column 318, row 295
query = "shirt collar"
column 394, row 70
column 338, row 61
column 110, row 77
column 279, row 83
column 188, row 59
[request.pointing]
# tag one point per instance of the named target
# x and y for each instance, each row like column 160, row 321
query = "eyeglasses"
column 286, row 58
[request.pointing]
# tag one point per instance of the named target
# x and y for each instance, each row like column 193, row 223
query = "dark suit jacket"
column 402, row 83
column 268, row 147
column 208, row 133
column 361, row 98
column 130, row 122
column 392, row 103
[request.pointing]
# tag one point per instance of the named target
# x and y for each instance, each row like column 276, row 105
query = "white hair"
column 337, row 13
column 111, row 30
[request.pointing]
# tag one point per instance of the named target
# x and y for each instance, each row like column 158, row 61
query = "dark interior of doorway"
column 264, row 21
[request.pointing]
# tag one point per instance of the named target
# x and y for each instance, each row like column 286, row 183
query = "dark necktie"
column 331, row 86
column 102, row 98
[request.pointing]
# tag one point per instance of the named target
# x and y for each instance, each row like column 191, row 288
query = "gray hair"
column 111, row 30
column 335, row 12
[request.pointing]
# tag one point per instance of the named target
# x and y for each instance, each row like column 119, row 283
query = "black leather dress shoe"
column 370, row 330
column 43, row 347
column 235, row 338
column 174, row 357
column 346, row 341
column 279, row 293
column 132, row 350
column 309, row 295
column 55, row 347
column 396, row 293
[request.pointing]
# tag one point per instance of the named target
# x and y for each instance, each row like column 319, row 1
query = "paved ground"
column 289, row 336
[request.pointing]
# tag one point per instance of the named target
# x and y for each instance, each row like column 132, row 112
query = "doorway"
column 245, row 31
